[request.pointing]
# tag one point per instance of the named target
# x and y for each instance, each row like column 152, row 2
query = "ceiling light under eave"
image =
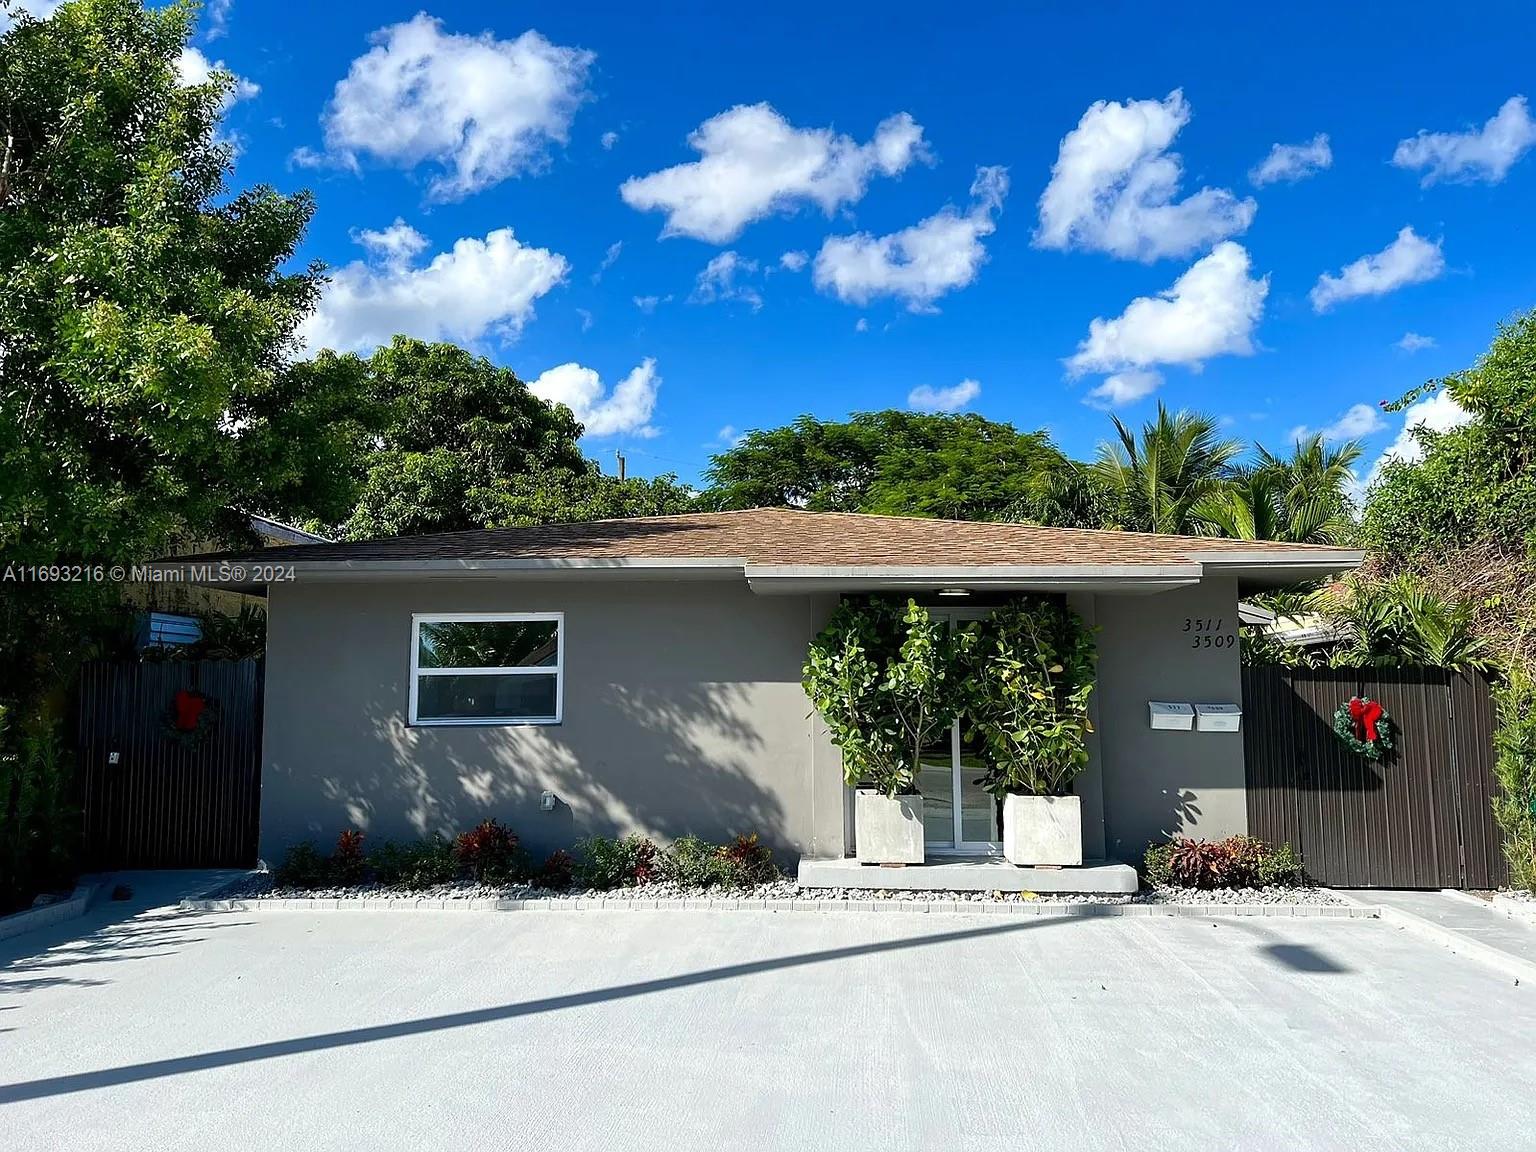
column 956, row 593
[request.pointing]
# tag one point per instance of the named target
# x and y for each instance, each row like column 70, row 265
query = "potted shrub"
column 1031, row 674
column 887, row 680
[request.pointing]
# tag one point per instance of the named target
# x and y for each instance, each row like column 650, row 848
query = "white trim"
column 417, row 672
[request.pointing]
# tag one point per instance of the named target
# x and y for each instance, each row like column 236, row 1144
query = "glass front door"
column 958, row 817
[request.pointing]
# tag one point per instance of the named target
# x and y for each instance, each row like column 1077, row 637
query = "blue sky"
column 965, row 202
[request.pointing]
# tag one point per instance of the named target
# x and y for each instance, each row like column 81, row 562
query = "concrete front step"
column 980, row 874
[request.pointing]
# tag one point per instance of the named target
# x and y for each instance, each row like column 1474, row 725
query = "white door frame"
column 958, row 846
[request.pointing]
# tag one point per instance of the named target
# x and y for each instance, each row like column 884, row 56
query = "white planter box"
column 888, row 830
column 1043, row 830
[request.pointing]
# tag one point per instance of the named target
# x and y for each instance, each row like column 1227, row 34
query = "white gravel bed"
column 259, row 887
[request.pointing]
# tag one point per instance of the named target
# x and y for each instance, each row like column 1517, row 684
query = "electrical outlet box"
column 1171, row 717
column 546, row 801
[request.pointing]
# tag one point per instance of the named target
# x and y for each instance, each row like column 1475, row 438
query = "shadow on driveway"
column 155, row 1069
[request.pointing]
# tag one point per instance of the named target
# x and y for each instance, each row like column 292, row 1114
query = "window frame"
column 417, row 672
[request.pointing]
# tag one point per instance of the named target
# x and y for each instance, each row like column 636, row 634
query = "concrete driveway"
column 722, row 1030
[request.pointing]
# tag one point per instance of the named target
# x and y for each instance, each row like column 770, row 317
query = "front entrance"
column 958, row 817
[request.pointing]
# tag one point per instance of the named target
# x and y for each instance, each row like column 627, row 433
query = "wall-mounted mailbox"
column 1170, row 716
column 1218, row 717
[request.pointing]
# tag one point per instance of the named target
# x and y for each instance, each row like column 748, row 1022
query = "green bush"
column 750, row 862
column 695, row 863
column 427, row 863
column 1514, row 767
column 1236, row 862
column 302, row 867
column 603, row 862
column 39, row 821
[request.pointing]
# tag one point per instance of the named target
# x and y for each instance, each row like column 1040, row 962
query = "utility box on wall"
column 1171, row 717
column 1218, row 717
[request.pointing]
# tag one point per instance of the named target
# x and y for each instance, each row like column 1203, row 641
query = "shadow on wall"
column 664, row 761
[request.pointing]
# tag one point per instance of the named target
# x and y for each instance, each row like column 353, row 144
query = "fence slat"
column 1421, row 819
column 164, row 805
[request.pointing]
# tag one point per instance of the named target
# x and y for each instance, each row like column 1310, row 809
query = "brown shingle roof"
column 785, row 536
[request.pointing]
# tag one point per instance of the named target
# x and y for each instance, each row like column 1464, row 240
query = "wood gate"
column 152, row 801
column 1420, row 819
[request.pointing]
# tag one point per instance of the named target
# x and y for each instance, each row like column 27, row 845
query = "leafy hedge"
column 1236, row 862
column 490, row 853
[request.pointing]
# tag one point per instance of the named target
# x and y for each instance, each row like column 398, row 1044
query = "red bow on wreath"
column 189, row 708
column 1364, row 714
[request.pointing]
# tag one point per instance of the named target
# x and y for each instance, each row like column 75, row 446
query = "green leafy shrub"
column 490, row 853
column 1236, row 862
column 39, row 820
column 695, row 863
column 604, row 862
column 1028, row 678
column 428, row 863
column 1514, row 767
column 302, row 867
column 887, row 680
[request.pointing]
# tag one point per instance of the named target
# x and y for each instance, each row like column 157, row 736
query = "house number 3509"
column 1205, row 632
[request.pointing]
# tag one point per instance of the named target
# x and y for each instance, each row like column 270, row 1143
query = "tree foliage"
column 446, row 440
column 959, row 467
column 1156, row 479
column 1302, row 499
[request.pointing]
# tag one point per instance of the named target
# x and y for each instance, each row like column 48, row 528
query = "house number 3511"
column 1205, row 632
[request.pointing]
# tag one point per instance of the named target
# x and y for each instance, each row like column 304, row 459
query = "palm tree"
column 1302, row 500
column 1158, row 479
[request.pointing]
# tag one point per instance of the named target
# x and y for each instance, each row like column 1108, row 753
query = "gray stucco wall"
column 683, row 714
column 1157, row 783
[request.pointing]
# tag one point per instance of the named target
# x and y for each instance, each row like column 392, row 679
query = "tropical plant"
column 604, row 862
column 490, row 852
column 1157, row 480
column 887, row 681
column 1029, row 675
column 39, row 820
column 1514, row 768
column 1302, row 499
column 1400, row 622
column 1236, row 862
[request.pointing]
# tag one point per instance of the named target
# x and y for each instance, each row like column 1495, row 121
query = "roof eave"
column 772, row 580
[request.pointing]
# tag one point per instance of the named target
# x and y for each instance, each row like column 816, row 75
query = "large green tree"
column 447, row 440
column 145, row 317
column 960, row 467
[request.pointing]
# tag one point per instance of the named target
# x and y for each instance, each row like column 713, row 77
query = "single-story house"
column 644, row 676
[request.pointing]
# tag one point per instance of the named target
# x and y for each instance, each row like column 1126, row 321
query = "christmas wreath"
column 1364, row 725
column 189, row 717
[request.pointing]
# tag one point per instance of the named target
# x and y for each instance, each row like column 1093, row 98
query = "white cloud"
column 754, row 163
column 217, row 13
column 1114, row 184
column 586, row 319
column 396, row 245
column 1211, row 310
column 794, row 261
column 609, row 257
column 192, row 67
column 1413, row 342
column 1439, row 413
column 862, row 325
column 477, row 288
column 918, row 264
column 1125, row 388
column 718, row 281
column 626, row 409
column 1360, row 421
column 1293, row 162
column 1410, row 259
column 485, row 109
column 609, row 139
column 730, row 436
column 928, row 399
column 1485, row 154
column 647, row 304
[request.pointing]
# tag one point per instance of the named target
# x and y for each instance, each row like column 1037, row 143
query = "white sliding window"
column 487, row 668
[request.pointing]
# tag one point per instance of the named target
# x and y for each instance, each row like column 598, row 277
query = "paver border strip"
column 1354, row 910
column 1458, row 942
column 29, row 919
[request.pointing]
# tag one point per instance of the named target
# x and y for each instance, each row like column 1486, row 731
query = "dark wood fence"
column 151, row 801
column 1420, row 819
